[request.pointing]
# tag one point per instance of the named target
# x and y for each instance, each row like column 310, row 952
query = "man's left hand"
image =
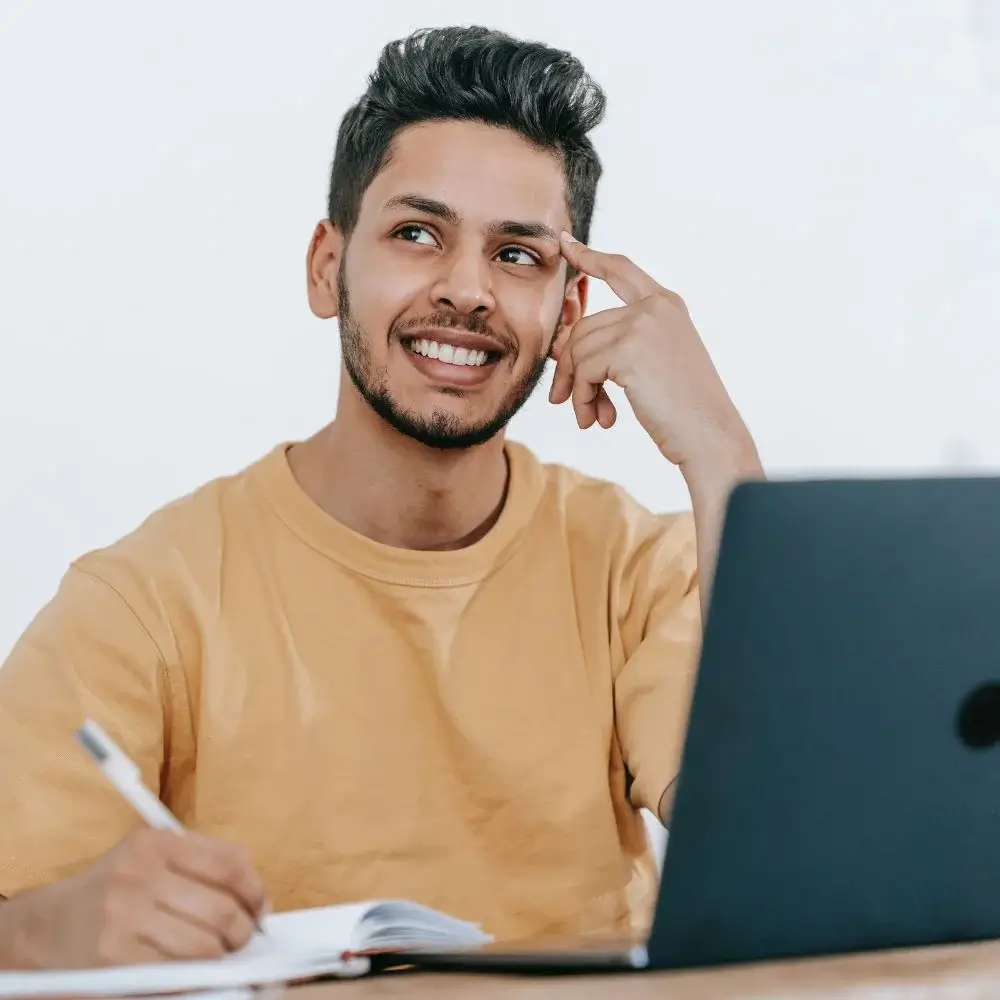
column 651, row 349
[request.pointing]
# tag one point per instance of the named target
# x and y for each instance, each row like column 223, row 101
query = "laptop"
column 840, row 784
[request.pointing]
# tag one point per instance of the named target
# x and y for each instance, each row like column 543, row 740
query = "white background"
column 821, row 181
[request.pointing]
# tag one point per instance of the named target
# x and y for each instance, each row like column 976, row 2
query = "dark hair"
column 471, row 74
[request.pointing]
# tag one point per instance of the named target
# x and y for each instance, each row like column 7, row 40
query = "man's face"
column 452, row 288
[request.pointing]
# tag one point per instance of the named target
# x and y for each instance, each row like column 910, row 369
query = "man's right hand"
column 157, row 896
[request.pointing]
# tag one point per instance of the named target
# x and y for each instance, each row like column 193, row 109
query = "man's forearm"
column 14, row 921
column 710, row 481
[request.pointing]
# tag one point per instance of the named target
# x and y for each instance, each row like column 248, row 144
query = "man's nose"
column 465, row 285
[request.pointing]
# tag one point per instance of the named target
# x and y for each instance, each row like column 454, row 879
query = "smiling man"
column 403, row 657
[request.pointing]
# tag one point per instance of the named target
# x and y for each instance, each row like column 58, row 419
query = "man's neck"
column 396, row 491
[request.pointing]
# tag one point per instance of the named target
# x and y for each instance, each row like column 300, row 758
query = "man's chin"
column 447, row 435
column 443, row 420
column 439, row 428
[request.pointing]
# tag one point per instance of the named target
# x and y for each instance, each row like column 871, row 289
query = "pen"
column 127, row 779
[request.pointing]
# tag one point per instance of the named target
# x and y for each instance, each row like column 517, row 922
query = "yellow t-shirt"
column 471, row 729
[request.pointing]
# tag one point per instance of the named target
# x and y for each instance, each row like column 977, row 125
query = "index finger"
column 222, row 865
column 627, row 280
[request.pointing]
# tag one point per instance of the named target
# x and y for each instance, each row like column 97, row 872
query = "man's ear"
column 326, row 251
column 573, row 308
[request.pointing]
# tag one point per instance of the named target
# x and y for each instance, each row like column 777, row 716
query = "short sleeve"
column 86, row 655
column 661, row 630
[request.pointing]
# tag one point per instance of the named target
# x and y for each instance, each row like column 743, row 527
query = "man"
column 402, row 658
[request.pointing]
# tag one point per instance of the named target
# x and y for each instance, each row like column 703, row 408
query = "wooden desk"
column 955, row 972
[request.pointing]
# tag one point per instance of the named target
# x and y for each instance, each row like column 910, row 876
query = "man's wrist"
column 721, row 464
column 11, row 936
column 17, row 914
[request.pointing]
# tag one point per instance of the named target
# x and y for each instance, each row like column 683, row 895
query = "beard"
column 440, row 429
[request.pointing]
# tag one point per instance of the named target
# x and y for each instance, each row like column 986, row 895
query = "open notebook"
column 301, row 944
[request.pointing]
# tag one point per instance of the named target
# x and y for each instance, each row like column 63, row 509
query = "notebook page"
column 387, row 923
column 320, row 930
column 297, row 945
column 398, row 923
column 174, row 977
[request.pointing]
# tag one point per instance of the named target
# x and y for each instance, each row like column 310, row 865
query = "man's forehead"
column 481, row 172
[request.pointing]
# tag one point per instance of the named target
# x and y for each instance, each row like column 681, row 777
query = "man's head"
column 452, row 179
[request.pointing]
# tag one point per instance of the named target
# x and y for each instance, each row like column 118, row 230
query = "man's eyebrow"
column 428, row 206
column 525, row 230
column 506, row 227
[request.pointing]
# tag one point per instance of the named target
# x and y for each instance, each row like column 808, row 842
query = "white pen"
column 127, row 779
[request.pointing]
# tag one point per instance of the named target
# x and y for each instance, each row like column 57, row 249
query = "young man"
column 402, row 658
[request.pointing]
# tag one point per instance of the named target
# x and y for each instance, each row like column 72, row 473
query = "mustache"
column 471, row 323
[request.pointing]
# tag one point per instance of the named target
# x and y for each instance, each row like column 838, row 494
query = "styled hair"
column 471, row 74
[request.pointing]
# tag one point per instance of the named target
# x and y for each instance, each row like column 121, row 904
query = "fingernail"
column 569, row 237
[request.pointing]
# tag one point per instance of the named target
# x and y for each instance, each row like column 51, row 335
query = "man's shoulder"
column 605, row 504
column 600, row 514
column 184, row 536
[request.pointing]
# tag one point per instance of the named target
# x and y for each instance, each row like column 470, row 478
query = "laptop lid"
column 839, row 789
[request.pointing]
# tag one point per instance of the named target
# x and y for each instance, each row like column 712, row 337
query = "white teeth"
column 450, row 355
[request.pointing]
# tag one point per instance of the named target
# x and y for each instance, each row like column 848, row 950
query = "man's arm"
column 669, row 589
column 710, row 479
column 710, row 482
column 87, row 883
column 650, row 348
column 86, row 654
column 14, row 950
column 155, row 896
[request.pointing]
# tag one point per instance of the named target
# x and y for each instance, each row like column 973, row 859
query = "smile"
column 449, row 354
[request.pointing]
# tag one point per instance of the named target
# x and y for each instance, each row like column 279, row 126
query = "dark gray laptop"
column 840, row 787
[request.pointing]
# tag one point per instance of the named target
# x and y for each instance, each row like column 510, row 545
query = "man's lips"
column 455, row 339
column 458, row 360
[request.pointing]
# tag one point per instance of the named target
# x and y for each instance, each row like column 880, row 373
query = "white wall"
column 821, row 182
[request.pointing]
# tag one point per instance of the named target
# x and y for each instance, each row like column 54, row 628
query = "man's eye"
column 415, row 234
column 517, row 255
